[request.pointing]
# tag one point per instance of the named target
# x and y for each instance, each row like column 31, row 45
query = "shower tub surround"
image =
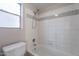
column 56, row 33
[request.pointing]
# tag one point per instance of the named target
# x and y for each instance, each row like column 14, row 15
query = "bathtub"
column 44, row 51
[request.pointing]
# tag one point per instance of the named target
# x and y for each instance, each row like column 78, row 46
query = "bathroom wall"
column 62, row 33
column 11, row 35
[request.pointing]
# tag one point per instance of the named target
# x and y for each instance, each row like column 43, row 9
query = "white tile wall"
column 61, row 33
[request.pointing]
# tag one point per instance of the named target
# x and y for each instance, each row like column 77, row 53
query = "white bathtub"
column 44, row 51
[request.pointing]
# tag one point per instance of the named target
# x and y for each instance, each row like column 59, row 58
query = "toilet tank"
column 16, row 49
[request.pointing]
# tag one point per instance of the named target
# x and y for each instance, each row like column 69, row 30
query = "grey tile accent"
column 65, row 14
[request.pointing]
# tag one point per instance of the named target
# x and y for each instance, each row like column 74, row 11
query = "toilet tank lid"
column 13, row 46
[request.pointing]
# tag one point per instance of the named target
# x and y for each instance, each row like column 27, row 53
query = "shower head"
column 36, row 11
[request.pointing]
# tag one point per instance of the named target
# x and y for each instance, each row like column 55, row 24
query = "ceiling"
column 45, row 6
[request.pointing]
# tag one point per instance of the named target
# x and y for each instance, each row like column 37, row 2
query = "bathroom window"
column 10, row 15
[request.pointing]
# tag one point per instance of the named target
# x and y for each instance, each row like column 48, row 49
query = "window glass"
column 12, row 8
column 10, row 15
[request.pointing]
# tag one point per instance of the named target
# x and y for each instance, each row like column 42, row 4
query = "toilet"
column 16, row 49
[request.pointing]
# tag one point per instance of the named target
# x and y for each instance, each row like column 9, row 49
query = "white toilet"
column 17, row 49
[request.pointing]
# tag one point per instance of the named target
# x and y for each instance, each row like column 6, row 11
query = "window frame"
column 15, row 15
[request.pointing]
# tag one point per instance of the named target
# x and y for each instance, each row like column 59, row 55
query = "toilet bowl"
column 16, row 49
